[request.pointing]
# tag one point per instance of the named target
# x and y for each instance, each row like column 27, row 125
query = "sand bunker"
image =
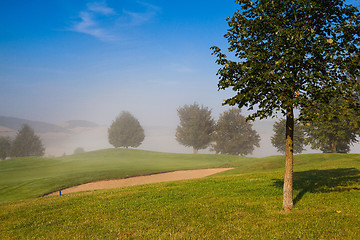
column 140, row 180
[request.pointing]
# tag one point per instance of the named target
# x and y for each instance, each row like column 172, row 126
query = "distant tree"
column 234, row 135
column 289, row 54
column 335, row 129
column 279, row 137
column 26, row 143
column 126, row 131
column 195, row 127
column 79, row 150
column 5, row 147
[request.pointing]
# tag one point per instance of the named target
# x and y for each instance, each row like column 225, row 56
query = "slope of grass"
column 236, row 206
column 302, row 162
column 23, row 178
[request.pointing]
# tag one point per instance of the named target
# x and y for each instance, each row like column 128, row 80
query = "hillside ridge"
column 14, row 124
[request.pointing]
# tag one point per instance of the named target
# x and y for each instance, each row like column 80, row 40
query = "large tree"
column 291, row 54
column 126, row 131
column 278, row 139
column 195, row 127
column 234, row 135
column 26, row 143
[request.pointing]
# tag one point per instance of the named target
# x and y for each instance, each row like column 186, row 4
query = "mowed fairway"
column 243, row 203
column 23, row 178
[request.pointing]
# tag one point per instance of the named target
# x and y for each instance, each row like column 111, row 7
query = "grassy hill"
column 243, row 203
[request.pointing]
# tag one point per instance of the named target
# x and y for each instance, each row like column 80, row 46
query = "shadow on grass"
column 332, row 180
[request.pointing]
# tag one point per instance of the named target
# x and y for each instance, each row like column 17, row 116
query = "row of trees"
column 25, row 144
column 231, row 134
column 334, row 135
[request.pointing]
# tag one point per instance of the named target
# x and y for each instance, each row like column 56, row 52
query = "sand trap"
column 140, row 180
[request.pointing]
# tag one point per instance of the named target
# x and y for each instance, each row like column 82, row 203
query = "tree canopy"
column 126, row 131
column 195, row 127
column 290, row 54
column 26, row 143
column 79, row 150
column 234, row 135
column 333, row 130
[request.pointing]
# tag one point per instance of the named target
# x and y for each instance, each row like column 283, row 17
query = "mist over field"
column 162, row 139
column 64, row 138
column 157, row 138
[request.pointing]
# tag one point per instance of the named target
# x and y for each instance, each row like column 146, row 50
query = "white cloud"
column 92, row 21
column 139, row 18
column 104, row 23
column 90, row 26
column 100, row 7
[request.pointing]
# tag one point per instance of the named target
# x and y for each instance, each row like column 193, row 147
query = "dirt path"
column 140, row 180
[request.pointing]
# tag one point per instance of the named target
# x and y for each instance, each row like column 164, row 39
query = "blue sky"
column 65, row 59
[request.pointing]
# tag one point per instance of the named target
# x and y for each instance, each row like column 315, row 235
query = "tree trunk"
column 289, row 158
column 195, row 150
column 333, row 147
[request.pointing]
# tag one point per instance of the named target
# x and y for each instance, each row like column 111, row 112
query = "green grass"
column 243, row 203
column 24, row 178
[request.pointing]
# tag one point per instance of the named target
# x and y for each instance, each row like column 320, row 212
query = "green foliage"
column 234, row 135
column 335, row 128
column 278, row 139
column 290, row 54
column 126, row 131
column 332, row 135
column 195, row 127
column 5, row 147
column 26, row 143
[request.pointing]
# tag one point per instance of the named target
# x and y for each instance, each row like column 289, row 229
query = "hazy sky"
column 66, row 59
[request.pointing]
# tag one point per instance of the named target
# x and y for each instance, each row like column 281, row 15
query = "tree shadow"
column 331, row 180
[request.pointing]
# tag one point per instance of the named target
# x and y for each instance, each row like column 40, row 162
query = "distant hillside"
column 79, row 123
column 39, row 127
